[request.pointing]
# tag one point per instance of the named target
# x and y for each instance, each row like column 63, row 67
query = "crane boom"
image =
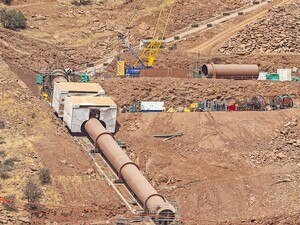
column 128, row 45
column 155, row 44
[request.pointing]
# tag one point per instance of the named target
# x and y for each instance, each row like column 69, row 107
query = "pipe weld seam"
column 156, row 194
column 96, row 140
column 125, row 164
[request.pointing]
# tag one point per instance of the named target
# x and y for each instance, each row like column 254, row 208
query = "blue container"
column 132, row 71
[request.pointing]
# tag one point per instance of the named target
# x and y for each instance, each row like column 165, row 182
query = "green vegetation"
column 44, row 176
column 12, row 19
column 10, row 204
column 33, row 194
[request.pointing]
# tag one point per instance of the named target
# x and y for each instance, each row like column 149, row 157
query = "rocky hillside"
column 278, row 32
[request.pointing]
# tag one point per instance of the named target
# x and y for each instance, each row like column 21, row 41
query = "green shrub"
column 12, row 19
column 7, row 2
column 44, row 176
column 81, row 2
column 4, row 171
column 10, row 162
column 32, row 193
column 2, row 153
column 10, row 204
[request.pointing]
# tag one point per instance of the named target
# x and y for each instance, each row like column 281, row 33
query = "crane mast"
column 149, row 54
column 151, row 51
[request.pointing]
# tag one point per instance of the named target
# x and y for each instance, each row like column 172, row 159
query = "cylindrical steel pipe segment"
column 230, row 71
column 152, row 202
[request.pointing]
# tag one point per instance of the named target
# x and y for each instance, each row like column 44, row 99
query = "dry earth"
column 36, row 138
column 228, row 168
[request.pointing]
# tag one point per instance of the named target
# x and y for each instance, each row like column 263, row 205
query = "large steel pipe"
column 230, row 71
column 152, row 202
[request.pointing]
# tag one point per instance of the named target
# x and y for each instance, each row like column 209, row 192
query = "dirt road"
column 213, row 44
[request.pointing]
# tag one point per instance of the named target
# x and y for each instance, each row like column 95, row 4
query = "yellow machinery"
column 150, row 52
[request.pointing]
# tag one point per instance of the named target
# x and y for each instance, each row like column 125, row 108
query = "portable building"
column 285, row 74
column 79, row 109
column 65, row 89
column 262, row 76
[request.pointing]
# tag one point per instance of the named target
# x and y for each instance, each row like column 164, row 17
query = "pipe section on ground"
column 230, row 71
column 157, row 206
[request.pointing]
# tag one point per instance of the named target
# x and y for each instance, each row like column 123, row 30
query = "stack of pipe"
column 154, row 203
column 230, row 71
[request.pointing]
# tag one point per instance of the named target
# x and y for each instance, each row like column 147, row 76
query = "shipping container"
column 272, row 76
column 152, row 106
column 79, row 109
column 65, row 89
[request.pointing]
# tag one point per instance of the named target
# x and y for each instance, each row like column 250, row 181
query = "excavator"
column 149, row 54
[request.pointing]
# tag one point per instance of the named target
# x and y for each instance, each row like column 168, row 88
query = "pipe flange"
column 96, row 140
column 120, row 170
column 145, row 203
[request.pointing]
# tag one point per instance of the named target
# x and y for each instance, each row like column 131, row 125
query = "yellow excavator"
column 149, row 54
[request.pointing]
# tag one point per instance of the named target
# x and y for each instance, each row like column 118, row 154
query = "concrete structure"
column 65, row 89
column 153, row 203
column 79, row 109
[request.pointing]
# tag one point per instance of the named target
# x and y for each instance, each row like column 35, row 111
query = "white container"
column 285, row 74
column 262, row 76
column 64, row 89
column 152, row 106
column 79, row 109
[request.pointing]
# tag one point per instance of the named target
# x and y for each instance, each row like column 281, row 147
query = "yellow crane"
column 148, row 56
column 151, row 51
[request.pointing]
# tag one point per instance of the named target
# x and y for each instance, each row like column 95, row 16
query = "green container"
column 296, row 79
column 196, row 75
column 39, row 79
column 84, row 78
column 272, row 76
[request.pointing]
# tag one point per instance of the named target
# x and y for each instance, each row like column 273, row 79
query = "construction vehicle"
column 281, row 102
column 56, row 74
column 149, row 54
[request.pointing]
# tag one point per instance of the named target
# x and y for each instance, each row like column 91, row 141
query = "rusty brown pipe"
column 127, row 170
column 230, row 71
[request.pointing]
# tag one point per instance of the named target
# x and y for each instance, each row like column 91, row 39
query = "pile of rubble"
column 284, row 146
column 277, row 32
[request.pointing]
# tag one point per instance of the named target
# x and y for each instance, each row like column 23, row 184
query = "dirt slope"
column 228, row 168
column 37, row 139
